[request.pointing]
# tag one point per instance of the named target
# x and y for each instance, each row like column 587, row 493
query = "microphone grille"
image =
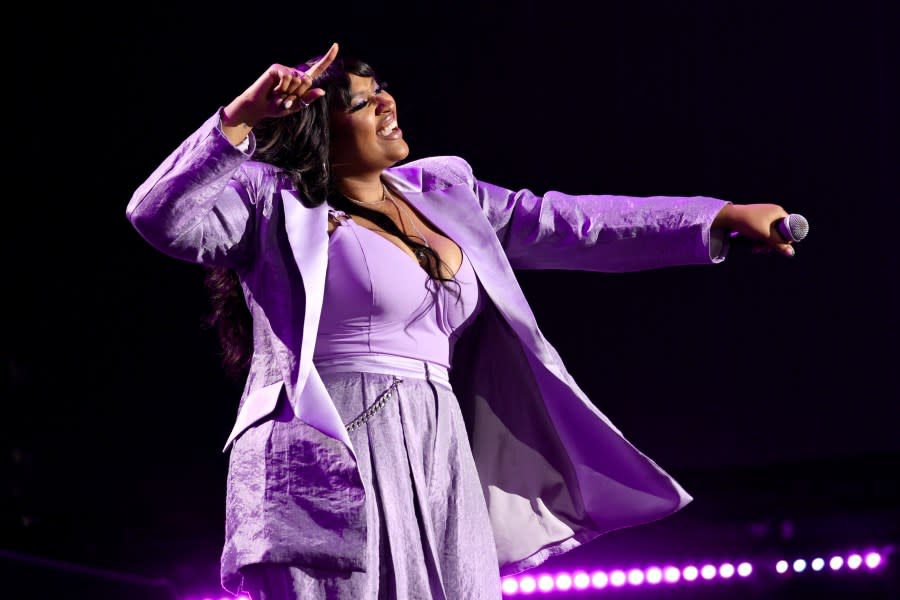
column 797, row 226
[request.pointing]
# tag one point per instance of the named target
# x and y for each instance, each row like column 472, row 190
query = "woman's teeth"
column 388, row 129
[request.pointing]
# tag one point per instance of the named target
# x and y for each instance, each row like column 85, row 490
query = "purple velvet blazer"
column 554, row 470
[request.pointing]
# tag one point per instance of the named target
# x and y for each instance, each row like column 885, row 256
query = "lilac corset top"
column 378, row 300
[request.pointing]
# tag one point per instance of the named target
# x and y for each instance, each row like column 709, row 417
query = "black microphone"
column 792, row 228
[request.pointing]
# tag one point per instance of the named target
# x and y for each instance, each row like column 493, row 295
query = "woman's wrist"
column 236, row 124
column 725, row 219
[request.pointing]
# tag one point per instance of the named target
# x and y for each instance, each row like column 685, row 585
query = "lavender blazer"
column 555, row 471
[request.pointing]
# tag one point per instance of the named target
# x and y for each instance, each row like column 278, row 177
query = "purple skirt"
column 429, row 535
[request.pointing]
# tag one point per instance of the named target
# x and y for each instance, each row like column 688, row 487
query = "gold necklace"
column 383, row 197
column 411, row 222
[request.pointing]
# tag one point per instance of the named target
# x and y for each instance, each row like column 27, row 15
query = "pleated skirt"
column 429, row 535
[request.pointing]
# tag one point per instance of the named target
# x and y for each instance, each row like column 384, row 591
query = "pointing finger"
column 323, row 63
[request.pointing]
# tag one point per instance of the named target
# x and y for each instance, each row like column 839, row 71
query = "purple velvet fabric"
column 555, row 472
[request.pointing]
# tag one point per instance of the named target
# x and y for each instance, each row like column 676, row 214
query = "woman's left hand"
column 757, row 222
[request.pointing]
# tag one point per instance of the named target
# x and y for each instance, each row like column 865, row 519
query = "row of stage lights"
column 619, row 578
column 599, row 580
column 582, row 580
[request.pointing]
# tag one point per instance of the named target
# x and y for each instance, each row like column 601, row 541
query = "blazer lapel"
column 307, row 232
column 454, row 210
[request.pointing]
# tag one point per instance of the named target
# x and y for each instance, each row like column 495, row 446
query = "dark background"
column 766, row 385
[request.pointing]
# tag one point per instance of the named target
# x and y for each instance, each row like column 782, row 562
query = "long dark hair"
column 299, row 144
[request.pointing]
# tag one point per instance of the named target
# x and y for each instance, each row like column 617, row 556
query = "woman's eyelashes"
column 365, row 102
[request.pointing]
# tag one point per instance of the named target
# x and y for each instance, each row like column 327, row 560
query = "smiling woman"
column 405, row 431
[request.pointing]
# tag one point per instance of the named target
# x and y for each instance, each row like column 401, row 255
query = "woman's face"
column 365, row 136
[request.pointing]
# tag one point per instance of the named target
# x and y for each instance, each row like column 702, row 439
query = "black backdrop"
column 115, row 409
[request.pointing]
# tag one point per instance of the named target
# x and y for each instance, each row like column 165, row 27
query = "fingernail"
column 790, row 251
column 288, row 103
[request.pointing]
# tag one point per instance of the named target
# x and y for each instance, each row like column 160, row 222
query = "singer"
column 404, row 430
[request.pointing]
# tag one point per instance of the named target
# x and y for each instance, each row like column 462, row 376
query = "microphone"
column 792, row 228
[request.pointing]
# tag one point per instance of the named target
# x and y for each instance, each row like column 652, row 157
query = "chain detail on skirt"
column 375, row 407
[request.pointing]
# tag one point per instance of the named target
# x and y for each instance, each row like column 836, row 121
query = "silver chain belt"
column 375, row 407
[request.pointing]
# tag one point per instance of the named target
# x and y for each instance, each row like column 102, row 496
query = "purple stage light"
column 599, row 580
column 582, row 580
column 654, row 575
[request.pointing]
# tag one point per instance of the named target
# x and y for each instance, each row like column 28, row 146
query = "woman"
column 405, row 431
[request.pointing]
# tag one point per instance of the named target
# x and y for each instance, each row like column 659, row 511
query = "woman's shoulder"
column 257, row 168
column 259, row 175
column 434, row 172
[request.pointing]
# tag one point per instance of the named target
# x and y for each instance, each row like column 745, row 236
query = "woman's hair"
column 299, row 144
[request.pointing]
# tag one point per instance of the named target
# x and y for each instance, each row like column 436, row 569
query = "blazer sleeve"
column 197, row 205
column 606, row 233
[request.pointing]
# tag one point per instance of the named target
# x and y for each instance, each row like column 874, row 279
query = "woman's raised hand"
column 280, row 91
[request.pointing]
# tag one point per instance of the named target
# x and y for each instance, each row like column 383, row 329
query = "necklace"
column 383, row 197
column 419, row 252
